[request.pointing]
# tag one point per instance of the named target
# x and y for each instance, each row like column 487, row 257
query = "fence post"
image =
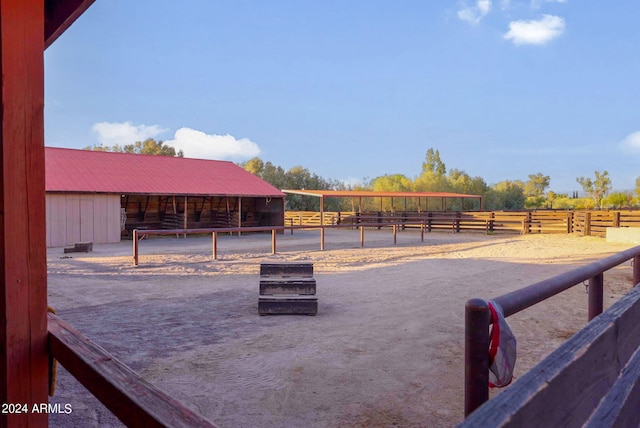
column 214, row 244
column 587, row 224
column 395, row 233
column 616, row 219
column 361, row 236
column 636, row 270
column 570, row 227
column 476, row 355
column 135, row 247
column 595, row 295
column 273, row 241
column 422, row 231
column 322, row 238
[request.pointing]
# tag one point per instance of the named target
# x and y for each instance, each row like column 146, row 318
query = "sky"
column 356, row 89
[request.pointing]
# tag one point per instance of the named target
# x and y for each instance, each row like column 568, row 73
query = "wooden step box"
column 287, row 288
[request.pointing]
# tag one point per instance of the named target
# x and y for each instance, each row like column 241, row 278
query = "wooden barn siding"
column 75, row 218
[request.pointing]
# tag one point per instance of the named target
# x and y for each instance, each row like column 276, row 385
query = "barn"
column 100, row 197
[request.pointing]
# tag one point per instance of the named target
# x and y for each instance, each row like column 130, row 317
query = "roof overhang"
column 372, row 194
column 59, row 15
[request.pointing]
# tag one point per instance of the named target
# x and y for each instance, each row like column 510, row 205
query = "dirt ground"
column 386, row 348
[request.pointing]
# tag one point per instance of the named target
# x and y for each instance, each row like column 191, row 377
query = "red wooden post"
column 135, row 247
column 215, row 245
column 596, row 298
column 476, row 355
column 273, row 241
column 23, row 259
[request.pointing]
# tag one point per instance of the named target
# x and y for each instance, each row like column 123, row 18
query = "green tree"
column 536, row 185
column 296, row 178
column 597, row 188
column 618, row 200
column 392, row 183
column 146, row 147
column 433, row 163
column 506, row 195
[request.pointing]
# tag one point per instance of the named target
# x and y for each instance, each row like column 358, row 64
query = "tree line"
column 434, row 177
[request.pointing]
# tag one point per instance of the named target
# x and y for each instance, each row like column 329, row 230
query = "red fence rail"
column 477, row 316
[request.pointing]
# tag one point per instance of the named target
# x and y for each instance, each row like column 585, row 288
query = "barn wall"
column 75, row 218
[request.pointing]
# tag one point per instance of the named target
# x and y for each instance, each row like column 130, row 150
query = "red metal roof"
column 86, row 171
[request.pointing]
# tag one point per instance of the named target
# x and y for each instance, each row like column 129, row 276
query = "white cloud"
column 474, row 14
column 111, row 134
column 536, row 3
column 535, row 32
column 197, row 144
column 631, row 143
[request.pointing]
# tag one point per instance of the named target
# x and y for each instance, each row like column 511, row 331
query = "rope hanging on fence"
column 502, row 349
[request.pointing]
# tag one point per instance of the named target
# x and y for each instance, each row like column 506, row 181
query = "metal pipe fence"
column 137, row 234
column 477, row 316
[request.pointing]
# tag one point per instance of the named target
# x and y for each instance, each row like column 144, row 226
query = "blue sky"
column 355, row 89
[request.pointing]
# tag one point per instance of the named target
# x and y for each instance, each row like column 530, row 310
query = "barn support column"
column 239, row 214
column 185, row 222
column 23, row 261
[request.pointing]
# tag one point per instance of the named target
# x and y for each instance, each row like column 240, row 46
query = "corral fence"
column 584, row 223
column 587, row 366
column 138, row 235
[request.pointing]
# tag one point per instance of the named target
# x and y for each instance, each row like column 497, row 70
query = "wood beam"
column 23, row 260
column 59, row 15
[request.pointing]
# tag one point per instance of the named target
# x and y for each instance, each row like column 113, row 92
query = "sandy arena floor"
column 386, row 348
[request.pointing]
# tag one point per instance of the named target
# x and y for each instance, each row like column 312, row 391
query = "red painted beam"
column 59, row 15
column 23, row 259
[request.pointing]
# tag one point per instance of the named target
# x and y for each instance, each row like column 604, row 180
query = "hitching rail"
column 477, row 316
column 273, row 229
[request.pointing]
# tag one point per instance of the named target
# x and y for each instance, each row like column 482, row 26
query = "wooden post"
column 476, row 360
column 135, row 247
column 596, row 284
column 395, row 234
column 636, row 270
column 273, row 241
column 239, row 214
column 322, row 223
column 570, row 222
column 175, row 212
column 361, row 236
column 23, row 258
column 185, row 222
column 214, row 238
column 587, row 224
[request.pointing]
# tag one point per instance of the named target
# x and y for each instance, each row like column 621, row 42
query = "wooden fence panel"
column 585, row 223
